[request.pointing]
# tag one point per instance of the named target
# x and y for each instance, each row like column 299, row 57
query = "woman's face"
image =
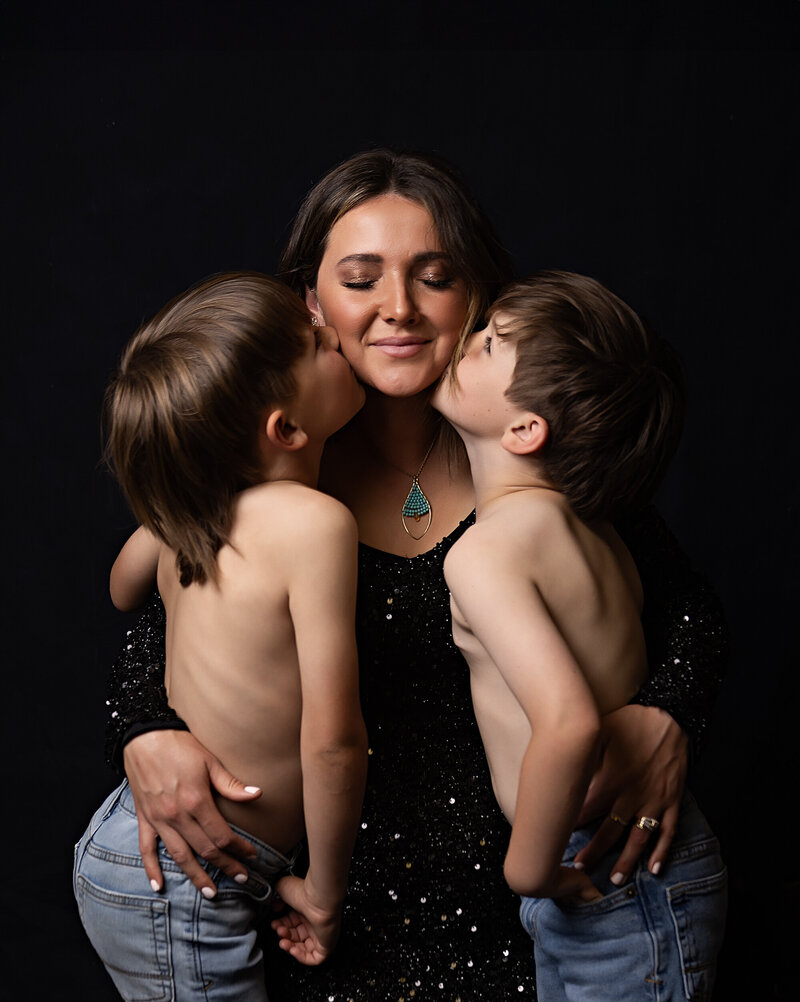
column 388, row 288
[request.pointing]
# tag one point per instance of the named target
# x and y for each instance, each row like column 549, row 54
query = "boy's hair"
column 181, row 412
column 611, row 391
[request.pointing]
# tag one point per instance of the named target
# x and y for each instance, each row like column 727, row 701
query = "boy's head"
column 608, row 393
column 186, row 410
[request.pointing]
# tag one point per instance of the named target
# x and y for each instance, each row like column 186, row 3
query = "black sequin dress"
column 428, row 915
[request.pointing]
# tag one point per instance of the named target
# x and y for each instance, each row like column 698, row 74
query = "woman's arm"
column 135, row 694
column 647, row 744
column 684, row 624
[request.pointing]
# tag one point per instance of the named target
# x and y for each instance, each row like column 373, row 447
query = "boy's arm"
column 333, row 744
column 133, row 574
column 509, row 618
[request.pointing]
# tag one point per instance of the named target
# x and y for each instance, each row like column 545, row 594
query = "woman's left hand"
column 642, row 775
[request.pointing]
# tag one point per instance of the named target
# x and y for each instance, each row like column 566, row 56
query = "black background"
column 652, row 149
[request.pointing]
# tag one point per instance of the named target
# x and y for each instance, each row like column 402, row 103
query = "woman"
column 391, row 251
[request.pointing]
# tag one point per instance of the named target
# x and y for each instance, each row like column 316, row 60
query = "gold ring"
column 619, row 820
column 648, row 824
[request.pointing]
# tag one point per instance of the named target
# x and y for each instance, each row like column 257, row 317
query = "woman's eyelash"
column 367, row 283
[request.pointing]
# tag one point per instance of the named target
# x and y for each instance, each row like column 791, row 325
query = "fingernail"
column 578, row 865
column 252, row 789
column 155, row 885
column 208, row 893
column 241, row 878
column 617, row 878
column 655, row 869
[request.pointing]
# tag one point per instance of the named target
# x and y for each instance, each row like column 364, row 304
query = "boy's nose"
column 474, row 343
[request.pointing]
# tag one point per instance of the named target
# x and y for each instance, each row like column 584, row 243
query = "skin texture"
column 366, row 466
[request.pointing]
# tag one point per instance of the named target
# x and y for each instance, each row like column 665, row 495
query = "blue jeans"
column 173, row 945
column 654, row 939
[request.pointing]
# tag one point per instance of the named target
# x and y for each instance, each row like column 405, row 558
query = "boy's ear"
column 526, row 435
column 313, row 306
column 282, row 433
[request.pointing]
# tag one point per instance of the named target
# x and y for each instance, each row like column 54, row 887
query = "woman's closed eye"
column 437, row 282
column 359, row 282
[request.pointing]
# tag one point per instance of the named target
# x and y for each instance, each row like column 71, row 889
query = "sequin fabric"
column 684, row 625
column 428, row 915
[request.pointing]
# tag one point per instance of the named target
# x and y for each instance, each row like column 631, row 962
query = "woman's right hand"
column 171, row 775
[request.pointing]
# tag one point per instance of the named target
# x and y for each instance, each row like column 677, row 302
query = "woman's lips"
column 400, row 347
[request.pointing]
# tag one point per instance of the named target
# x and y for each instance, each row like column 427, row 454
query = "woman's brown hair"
column 611, row 390
column 465, row 232
column 181, row 412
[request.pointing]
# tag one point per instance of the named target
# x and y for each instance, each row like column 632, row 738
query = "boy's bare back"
column 558, row 605
column 270, row 647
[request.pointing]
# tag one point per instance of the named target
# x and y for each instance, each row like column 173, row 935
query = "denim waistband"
column 268, row 860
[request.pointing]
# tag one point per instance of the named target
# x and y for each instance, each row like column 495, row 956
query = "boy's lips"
column 400, row 347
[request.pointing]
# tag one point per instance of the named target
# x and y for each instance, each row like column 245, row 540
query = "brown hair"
column 611, row 391
column 464, row 231
column 181, row 412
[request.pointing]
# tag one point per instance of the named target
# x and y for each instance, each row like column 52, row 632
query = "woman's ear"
column 313, row 306
column 282, row 433
column 526, row 435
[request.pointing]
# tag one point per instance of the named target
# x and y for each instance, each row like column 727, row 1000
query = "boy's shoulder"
column 519, row 530
column 289, row 510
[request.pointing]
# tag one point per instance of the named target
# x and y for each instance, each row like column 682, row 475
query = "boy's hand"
column 575, row 888
column 308, row 932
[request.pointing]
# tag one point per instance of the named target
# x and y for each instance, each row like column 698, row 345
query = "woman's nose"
column 398, row 306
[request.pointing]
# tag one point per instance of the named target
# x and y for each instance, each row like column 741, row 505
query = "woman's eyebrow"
column 422, row 258
column 360, row 258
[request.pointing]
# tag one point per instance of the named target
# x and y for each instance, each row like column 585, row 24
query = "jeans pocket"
column 698, row 912
column 130, row 934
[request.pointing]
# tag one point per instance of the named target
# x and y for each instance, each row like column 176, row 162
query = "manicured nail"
column 208, row 893
column 655, row 869
column 617, row 878
column 241, row 878
column 252, row 789
column 155, row 885
column 578, row 865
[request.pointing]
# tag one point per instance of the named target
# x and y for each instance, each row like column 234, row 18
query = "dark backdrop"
column 661, row 160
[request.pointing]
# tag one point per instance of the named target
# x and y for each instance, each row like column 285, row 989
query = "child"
column 217, row 417
column 570, row 410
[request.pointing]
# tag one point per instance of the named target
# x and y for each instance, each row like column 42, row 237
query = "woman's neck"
column 370, row 465
column 397, row 430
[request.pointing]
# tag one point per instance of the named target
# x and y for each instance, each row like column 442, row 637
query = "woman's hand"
column 642, row 774
column 171, row 775
column 308, row 932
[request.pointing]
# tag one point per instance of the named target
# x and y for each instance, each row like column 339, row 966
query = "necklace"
column 416, row 504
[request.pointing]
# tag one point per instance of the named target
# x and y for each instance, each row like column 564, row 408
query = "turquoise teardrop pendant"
column 416, row 506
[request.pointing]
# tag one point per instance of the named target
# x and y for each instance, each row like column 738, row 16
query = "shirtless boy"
column 569, row 411
column 216, row 421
